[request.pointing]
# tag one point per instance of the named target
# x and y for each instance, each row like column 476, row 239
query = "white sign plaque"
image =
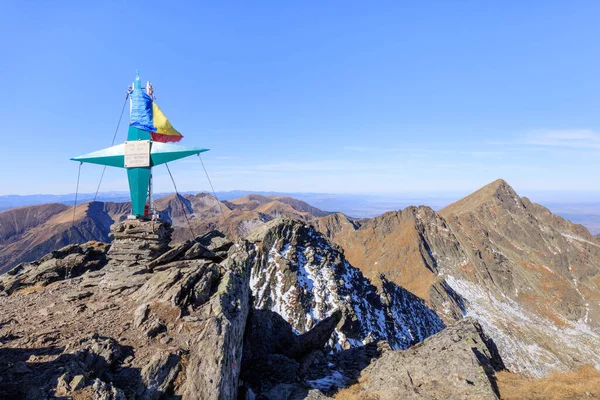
column 137, row 154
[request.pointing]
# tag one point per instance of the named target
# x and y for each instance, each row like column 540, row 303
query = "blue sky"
column 344, row 97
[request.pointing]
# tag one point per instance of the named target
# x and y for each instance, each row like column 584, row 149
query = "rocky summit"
column 78, row 323
column 281, row 315
column 288, row 302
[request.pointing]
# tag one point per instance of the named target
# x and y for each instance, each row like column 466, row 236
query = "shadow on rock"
column 97, row 369
column 278, row 364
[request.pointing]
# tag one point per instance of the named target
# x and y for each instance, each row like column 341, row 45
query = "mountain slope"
column 27, row 233
column 528, row 253
column 79, row 323
column 237, row 218
column 304, row 278
column 408, row 247
column 254, row 201
column 535, row 280
column 17, row 220
column 531, row 277
column 30, row 232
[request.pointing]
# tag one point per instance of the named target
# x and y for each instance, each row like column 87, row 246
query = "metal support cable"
column 70, row 269
column 211, row 187
column 182, row 203
column 76, row 193
column 111, row 144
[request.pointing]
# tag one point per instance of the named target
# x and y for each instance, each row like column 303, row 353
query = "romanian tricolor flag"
column 145, row 114
column 164, row 130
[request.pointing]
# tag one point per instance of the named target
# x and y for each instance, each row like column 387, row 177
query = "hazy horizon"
column 546, row 195
column 568, row 204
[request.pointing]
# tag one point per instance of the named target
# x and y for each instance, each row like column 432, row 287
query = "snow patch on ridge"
column 336, row 379
column 501, row 317
column 578, row 238
column 308, row 280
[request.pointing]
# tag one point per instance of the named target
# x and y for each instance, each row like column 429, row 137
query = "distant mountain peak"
column 494, row 192
column 498, row 183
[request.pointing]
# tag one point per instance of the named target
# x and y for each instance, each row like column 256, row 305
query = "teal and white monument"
column 146, row 146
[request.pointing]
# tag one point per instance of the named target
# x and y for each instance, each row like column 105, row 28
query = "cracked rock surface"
column 75, row 324
column 190, row 323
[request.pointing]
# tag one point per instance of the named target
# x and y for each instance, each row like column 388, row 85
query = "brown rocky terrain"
column 582, row 383
column 237, row 218
column 28, row 233
column 530, row 277
column 78, row 323
column 304, row 278
column 138, row 319
column 467, row 365
column 535, row 281
column 405, row 246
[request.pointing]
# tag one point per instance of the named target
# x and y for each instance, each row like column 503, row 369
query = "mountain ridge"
column 27, row 233
column 530, row 278
column 498, row 189
column 500, row 258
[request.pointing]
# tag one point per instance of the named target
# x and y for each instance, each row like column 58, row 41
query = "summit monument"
column 146, row 146
column 142, row 236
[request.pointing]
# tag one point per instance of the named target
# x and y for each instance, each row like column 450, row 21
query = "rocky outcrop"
column 69, row 262
column 458, row 363
column 268, row 333
column 304, row 278
column 78, row 323
column 335, row 225
column 276, row 360
column 216, row 350
column 212, row 245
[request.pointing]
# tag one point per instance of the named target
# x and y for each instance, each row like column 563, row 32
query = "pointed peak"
column 498, row 190
column 498, row 184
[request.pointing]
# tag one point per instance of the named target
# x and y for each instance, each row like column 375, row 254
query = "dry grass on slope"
column 584, row 383
column 356, row 392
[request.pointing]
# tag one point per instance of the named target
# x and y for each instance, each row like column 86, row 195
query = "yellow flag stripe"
column 162, row 124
